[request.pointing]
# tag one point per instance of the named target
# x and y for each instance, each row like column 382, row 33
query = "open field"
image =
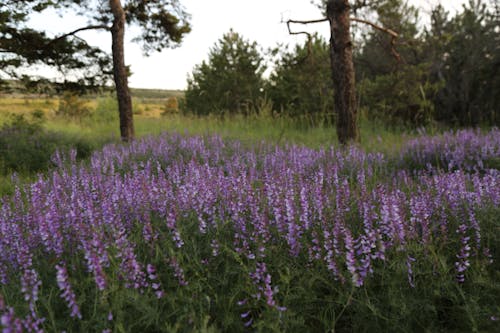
column 149, row 103
column 245, row 224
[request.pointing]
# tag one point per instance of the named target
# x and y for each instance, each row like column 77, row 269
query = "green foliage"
column 375, row 55
column 465, row 55
column 230, row 82
column 163, row 23
column 106, row 110
column 26, row 147
column 447, row 73
column 401, row 98
column 300, row 86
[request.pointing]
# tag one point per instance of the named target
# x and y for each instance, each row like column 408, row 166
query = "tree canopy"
column 21, row 47
column 162, row 23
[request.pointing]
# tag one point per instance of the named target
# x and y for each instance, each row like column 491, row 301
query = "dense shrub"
column 464, row 51
column 73, row 107
column 26, row 147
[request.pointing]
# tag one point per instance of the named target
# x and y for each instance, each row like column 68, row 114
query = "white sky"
column 256, row 20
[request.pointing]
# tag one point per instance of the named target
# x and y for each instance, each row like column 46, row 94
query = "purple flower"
column 10, row 323
column 411, row 279
column 463, row 262
column 245, row 314
column 178, row 271
column 215, row 247
column 325, row 205
column 304, row 205
column 130, row 267
column 242, row 302
column 248, row 323
column 357, row 280
column 67, row 293
column 151, row 271
column 262, row 280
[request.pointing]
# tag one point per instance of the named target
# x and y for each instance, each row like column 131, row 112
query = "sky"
column 256, row 20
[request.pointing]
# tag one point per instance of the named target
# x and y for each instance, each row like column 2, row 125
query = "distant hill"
column 155, row 93
column 13, row 87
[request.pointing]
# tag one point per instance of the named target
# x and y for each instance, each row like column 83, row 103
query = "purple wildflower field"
column 202, row 231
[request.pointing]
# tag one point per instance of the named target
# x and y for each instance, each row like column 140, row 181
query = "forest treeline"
column 445, row 71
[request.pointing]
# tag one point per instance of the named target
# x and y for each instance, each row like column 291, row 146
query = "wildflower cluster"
column 326, row 207
column 467, row 150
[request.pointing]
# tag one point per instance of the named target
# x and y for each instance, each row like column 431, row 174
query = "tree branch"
column 74, row 32
column 302, row 22
column 394, row 35
column 309, row 37
column 378, row 27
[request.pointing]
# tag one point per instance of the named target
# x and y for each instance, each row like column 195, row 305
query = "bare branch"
column 378, row 27
column 308, row 22
column 309, row 37
column 394, row 35
column 302, row 22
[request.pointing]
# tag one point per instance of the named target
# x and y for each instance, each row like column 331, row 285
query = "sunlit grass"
column 150, row 119
column 246, row 129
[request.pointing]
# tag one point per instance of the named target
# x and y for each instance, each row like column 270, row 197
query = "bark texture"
column 338, row 12
column 120, row 72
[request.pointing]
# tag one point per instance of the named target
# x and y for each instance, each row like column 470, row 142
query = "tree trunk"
column 338, row 12
column 120, row 72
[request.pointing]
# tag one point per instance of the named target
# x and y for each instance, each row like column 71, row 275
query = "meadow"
column 245, row 225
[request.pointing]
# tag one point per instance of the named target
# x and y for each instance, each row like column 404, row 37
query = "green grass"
column 245, row 129
column 102, row 126
column 149, row 104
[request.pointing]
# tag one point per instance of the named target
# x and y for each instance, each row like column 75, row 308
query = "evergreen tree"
column 300, row 85
column 375, row 56
column 465, row 54
column 396, row 90
column 230, row 81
